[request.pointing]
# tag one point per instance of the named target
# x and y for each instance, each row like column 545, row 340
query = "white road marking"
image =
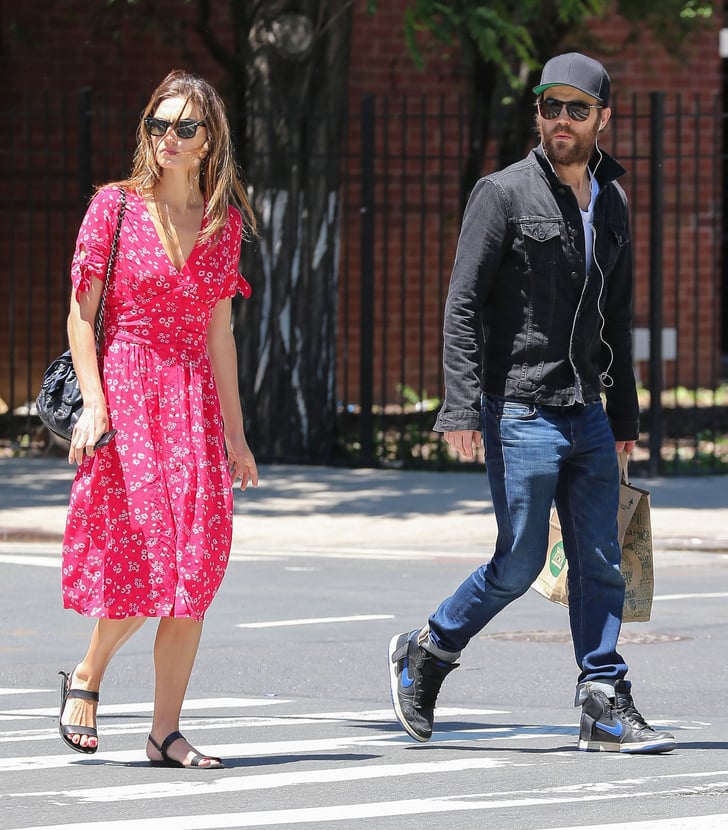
column 316, row 621
column 45, row 554
column 717, row 822
column 265, row 781
column 23, row 691
column 257, row 721
column 420, row 806
column 147, row 706
column 35, row 561
column 662, row 597
column 295, row 747
column 241, row 777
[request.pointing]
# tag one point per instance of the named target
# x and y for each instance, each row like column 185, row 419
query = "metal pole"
column 366, row 310
column 657, row 182
column 85, row 147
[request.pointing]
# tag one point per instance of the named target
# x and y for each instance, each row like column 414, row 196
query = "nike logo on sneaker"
column 407, row 681
column 615, row 730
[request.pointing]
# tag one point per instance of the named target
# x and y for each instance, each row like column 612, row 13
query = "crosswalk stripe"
column 147, row 706
column 177, row 790
column 233, row 722
column 277, row 780
column 28, row 763
column 6, row 691
column 383, row 809
column 716, row 822
column 266, row 781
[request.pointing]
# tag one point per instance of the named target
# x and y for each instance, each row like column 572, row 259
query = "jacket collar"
column 606, row 169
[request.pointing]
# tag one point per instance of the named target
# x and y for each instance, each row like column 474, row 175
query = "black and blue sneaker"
column 415, row 678
column 615, row 725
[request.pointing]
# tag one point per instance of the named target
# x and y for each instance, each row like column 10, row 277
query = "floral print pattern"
column 149, row 523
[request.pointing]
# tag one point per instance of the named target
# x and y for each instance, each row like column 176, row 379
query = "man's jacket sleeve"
column 479, row 251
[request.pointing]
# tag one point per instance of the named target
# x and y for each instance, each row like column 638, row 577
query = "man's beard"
column 576, row 152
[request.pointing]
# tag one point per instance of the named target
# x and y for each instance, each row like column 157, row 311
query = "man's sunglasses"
column 550, row 108
column 186, row 128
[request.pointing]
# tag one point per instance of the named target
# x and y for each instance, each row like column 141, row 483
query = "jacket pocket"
column 609, row 246
column 542, row 242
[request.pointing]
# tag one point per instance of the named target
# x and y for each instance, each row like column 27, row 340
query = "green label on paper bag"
column 557, row 560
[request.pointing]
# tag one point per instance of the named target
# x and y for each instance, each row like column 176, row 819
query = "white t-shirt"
column 587, row 217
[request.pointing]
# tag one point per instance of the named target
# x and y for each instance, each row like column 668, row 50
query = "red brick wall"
column 692, row 225
column 693, row 192
column 65, row 55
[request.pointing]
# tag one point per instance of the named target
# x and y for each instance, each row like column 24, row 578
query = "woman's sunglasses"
column 550, row 108
column 186, row 128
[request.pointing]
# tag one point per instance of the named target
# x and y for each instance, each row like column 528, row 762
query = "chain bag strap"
column 99, row 325
column 59, row 402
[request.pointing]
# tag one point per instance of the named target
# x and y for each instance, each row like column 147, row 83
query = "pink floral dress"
column 149, row 523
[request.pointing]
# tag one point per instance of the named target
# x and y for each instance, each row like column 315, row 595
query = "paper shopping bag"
column 637, row 557
column 551, row 582
column 634, row 531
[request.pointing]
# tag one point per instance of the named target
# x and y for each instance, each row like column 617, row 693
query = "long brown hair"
column 220, row 179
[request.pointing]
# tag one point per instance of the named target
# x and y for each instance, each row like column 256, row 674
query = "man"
column 537, row 324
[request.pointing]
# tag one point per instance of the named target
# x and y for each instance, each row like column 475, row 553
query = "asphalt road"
column 291, row 689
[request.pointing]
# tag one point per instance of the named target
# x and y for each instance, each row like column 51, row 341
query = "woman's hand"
column 92, row 423
column 241, row 463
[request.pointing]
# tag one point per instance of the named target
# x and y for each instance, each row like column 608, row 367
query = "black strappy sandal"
column 68, row 729
column 171, row 762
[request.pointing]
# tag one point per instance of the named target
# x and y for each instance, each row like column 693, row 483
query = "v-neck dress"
column 149, row 523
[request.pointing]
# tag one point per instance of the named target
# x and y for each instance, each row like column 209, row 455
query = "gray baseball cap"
column 579, row 71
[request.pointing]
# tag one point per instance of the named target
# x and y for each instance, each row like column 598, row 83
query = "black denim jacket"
column 522, row 320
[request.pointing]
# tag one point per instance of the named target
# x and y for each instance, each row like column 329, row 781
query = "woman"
column 149, row 524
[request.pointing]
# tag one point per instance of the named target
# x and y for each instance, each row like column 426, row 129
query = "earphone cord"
column 606, row 379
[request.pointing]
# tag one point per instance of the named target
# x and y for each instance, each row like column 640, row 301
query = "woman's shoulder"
column 109, row 193
column 234, row 217
column 107, row 200
column 232, row 229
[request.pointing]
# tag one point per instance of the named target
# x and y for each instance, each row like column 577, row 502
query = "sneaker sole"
column 628, row 749
column 393, row 692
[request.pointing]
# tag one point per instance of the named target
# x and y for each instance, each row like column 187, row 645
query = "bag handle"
column 623, row 459
column 99, row 325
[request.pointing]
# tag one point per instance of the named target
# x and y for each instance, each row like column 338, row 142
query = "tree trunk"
column 296, row 89
column 511, row 125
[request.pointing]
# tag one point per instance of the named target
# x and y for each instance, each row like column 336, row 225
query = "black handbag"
column 59, row 401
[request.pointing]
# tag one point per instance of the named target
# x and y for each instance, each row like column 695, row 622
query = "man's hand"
column 625, row 446
column 464, row 441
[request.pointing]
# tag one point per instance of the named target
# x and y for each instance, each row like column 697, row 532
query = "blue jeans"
column 536, row 456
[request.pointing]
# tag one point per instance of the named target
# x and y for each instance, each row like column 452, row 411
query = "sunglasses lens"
column 156, row 126
column 578, row 112
column 550, row 108
column 186, row 129
column 159, row 126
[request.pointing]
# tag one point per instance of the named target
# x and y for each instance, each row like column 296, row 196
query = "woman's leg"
column 107, row 638
column 175, row 649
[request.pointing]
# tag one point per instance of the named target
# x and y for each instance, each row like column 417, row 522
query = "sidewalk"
column 339, row 510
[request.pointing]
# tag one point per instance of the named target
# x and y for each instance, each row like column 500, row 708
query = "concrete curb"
column 23, row 535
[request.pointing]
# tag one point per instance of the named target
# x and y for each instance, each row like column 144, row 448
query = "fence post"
column 85, row 147
column 657, row 182
column 366, row 310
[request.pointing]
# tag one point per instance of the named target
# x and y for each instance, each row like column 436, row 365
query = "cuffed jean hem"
column 583, row 690
column 424, row 639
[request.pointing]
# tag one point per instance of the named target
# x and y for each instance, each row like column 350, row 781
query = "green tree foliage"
column 501, row 46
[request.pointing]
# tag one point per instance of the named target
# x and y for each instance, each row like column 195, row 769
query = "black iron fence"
column 401, row 199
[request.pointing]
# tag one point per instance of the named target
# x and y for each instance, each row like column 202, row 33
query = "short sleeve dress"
column 149, row 523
